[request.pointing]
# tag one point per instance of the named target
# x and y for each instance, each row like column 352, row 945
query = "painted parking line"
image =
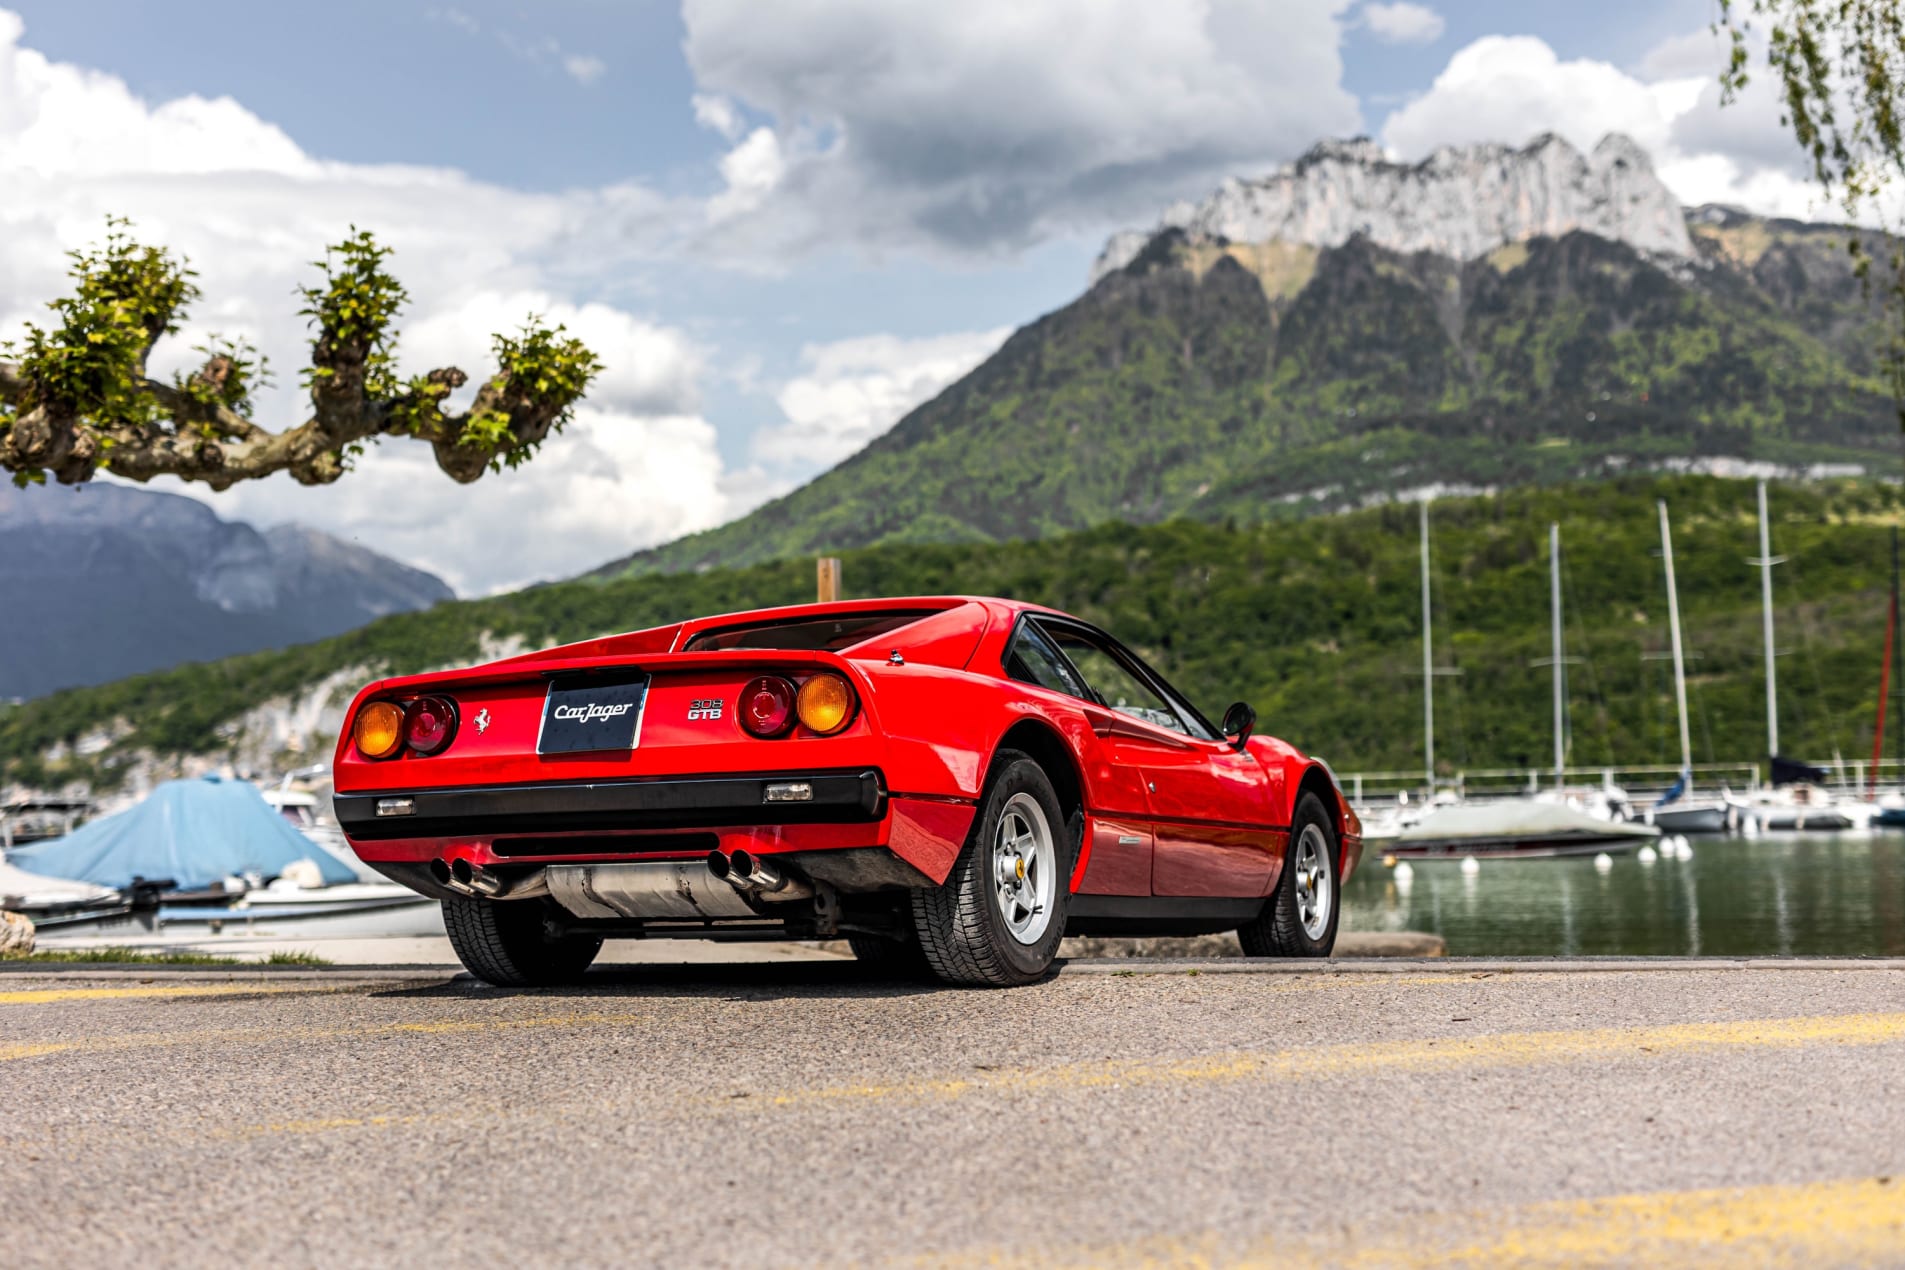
column 1855, row 1221
column 46, row 996
column 1510, row 1049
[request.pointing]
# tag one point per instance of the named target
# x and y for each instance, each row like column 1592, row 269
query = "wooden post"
column 828, row 579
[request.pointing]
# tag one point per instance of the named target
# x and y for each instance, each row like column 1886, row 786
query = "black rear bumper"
column 853, row 797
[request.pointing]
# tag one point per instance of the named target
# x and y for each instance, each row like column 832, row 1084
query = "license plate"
column 580, row 715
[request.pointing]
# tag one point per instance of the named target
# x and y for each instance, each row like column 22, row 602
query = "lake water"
column 1777, row 895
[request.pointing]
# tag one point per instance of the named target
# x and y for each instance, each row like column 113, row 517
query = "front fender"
column 1300, row 772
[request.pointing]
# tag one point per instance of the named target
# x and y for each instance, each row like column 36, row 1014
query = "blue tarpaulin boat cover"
column 194, row 832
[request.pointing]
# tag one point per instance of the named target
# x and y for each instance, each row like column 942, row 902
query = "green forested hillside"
column 1315, row 621
column 1271, row 381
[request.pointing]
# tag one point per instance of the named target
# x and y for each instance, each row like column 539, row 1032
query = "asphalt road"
column 1441, row 1113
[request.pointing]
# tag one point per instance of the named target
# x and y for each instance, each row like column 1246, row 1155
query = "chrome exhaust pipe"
column 444, row 875
column 475, row 880
column 478, row 879
column 765, row 879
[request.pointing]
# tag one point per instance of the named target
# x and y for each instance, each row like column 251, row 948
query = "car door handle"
column 1110, row 723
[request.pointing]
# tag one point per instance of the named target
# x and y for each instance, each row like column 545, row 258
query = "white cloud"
column 853, row 390
column 986, row 125
column 751, row 170
column 1403, row 23
column 1509, row 88
column 583, row 69
column 712, row 110
column 544, row 51
column 251, row 209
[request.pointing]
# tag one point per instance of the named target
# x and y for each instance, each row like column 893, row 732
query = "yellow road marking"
column 1837, row 1222
column 41, row 996
column 267, row 1036
column 9, row 1053
column 1510, row 1049
column 332, row 1123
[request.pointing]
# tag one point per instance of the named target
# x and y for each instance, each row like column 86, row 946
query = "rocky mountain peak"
column 1460, row 201
column 105, row 579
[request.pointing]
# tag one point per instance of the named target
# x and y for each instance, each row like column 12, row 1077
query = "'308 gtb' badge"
column 709, row 709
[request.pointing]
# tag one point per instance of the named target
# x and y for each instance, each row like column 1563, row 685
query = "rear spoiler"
column 517, row 671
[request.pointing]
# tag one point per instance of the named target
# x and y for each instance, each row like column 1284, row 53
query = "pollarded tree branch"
column 76, row 399
column 1838, row 67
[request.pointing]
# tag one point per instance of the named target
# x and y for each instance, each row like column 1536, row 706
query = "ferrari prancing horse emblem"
column 482, row 721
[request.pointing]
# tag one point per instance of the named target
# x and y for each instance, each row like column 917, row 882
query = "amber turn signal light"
column 826, row 703
column 378, row 731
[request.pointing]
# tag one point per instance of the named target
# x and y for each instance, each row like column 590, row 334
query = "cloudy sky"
column 780, row 225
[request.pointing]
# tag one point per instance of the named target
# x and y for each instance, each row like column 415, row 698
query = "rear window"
column 823, row 634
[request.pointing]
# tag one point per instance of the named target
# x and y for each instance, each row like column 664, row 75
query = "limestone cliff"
column 1460, row 202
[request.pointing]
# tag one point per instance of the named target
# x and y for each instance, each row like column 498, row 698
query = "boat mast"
column 1885, row 678
column 1428, row 661
column 1560, row 687
column 1679, row 662
column 1766, row 563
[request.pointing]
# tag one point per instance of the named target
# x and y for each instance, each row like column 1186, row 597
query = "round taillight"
column 767, row 706
column 378, row 730
column 826, row 703
column 428, row 724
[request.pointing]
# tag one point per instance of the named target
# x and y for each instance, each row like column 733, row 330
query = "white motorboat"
column 50, row 902
column 1515, row 828
column 1801, row 807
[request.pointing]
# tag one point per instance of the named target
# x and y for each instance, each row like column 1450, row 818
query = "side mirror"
column 1239, row 722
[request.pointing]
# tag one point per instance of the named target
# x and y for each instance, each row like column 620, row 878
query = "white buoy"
column 1603, row 862
column 1404, row 878
column 1647, row 855
column 1471, row 865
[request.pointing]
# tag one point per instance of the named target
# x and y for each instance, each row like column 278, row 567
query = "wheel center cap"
column 1019, row 866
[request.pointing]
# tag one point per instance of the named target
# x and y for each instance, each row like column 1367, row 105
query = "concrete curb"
column 1116, row 966
column 1469, row 965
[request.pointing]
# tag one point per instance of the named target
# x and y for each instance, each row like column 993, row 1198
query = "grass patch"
column 296, row 959
column 122, row 956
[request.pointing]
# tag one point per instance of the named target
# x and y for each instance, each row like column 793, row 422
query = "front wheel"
column 1300, row 918
column 997, row 919
column 505, row 943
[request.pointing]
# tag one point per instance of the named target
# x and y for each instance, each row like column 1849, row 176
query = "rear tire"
column 504, row 943
column 1300, row 919
column 997, row 919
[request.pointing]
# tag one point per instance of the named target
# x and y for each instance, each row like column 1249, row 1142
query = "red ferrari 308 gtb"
column 952, row 784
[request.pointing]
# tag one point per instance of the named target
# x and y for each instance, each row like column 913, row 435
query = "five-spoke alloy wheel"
column 1025, row 868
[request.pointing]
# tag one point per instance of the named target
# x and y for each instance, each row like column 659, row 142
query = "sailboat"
column 1381, row 824
column 1887, row 812
column 1680, row 809
column 1797, row 799
column 1605, row 801
column 1560, row 822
